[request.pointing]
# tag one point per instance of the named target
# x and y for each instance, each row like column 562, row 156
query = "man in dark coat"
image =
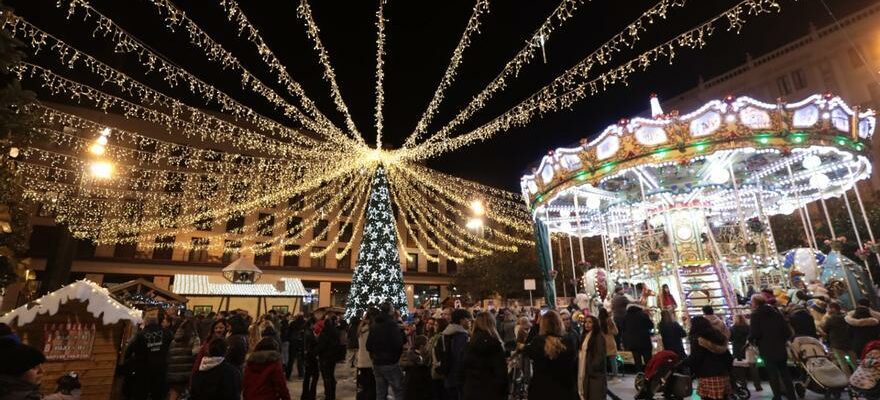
column 455, row 339
column 770, row 333
column 618, row 311
column 802, row 322
column 328, row 348
column 237, row 342
column 839, row 336
column 385, row 345
column 147, row 354
column 636, row 329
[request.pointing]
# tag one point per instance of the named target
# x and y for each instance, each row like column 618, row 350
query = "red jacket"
column 264, row 377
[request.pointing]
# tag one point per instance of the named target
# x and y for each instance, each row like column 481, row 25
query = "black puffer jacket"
column 385, row 342
column 485, row 368
column 14, row 388
column 181, row 357
column 636, row 329
column 216, row 379
column 864, row 326
column 709, row 356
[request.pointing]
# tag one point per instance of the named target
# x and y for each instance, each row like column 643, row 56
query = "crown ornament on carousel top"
column 684, row 199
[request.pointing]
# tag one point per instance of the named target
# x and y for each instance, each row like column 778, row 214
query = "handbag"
column 682, row 385
column 751, row 354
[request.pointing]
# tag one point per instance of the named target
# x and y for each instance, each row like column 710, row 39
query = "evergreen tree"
column 14, row 134
column 377, row 275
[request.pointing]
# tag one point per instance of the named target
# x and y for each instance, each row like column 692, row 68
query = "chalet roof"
column 199, row 285
column 100, row 304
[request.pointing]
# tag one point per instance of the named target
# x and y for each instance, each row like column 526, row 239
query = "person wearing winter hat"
column 20, row 371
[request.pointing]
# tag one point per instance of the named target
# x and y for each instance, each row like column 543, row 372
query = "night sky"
column 420, row 38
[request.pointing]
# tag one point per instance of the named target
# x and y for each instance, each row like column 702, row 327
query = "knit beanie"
column 18, row 358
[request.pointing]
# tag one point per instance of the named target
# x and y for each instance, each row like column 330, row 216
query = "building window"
column 855, row 59
column 266, row 224
column 319, row 232
column 784, row 85
column 235, row 224
column 339, row 293
column 347, row 230
column 292, row 226
column 199, row 250
column 433, row 266
column 799, row 79
column 426, row 296
column 124, row 250
column 291, row 260
column 319, row 262
column 204, row 224
column 412, row 238
column 231, row 250
column 451, row 267
column 263, row 254
column 344, row 262
column 432, row 240
column 163, row 249
column 412, row 262
column 295, row 202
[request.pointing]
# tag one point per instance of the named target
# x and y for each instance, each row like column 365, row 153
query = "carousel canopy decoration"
column 100, row 305
column 783, row 154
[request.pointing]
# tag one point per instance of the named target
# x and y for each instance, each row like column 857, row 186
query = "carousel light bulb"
column 719, row 176
column 811, row 161
column 819, row 181
column 593, row 202
column 97, row 149
column 477, row 207
column 105, row 132
column 474, row 223
column 101, row 169
column 102, row 140
column 14, row 152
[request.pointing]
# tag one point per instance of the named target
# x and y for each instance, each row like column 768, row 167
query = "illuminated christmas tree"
column 377, row 275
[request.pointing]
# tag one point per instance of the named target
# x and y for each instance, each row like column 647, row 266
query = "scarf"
column 582, row 365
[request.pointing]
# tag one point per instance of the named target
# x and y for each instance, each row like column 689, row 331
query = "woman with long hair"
column 554, row 356
column 671, row 333
column 219, row 329
column 666, row 300
column 484, row 363
column 366, row 381
column 592, row 383
column 609, row 332
column 709, row 360
column 739, row 337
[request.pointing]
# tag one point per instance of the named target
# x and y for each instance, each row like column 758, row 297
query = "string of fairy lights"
column 146, row 167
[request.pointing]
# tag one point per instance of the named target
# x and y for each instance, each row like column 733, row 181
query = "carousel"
column 683, row 201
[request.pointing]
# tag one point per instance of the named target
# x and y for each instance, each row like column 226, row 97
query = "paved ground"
column 623, row 388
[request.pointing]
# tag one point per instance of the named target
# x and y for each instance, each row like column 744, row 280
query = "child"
column 68, row 388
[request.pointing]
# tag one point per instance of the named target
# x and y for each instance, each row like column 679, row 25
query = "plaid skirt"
column 716, row 387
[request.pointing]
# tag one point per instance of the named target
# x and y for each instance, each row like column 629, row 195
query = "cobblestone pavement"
column 623, row 388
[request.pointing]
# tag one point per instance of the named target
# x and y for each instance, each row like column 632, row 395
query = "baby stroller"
column 660, row 375
column 820, row 374
column 864, row 381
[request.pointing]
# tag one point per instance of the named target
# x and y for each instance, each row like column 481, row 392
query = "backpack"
column 440, row 362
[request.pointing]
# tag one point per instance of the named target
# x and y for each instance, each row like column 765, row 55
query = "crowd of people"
column 452, row 354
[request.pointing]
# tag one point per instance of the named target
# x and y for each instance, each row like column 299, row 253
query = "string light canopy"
column 167, row 167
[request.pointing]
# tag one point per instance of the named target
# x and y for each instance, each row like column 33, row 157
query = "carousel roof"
column 730, row 158
column 199, row 285
column 100, row 304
